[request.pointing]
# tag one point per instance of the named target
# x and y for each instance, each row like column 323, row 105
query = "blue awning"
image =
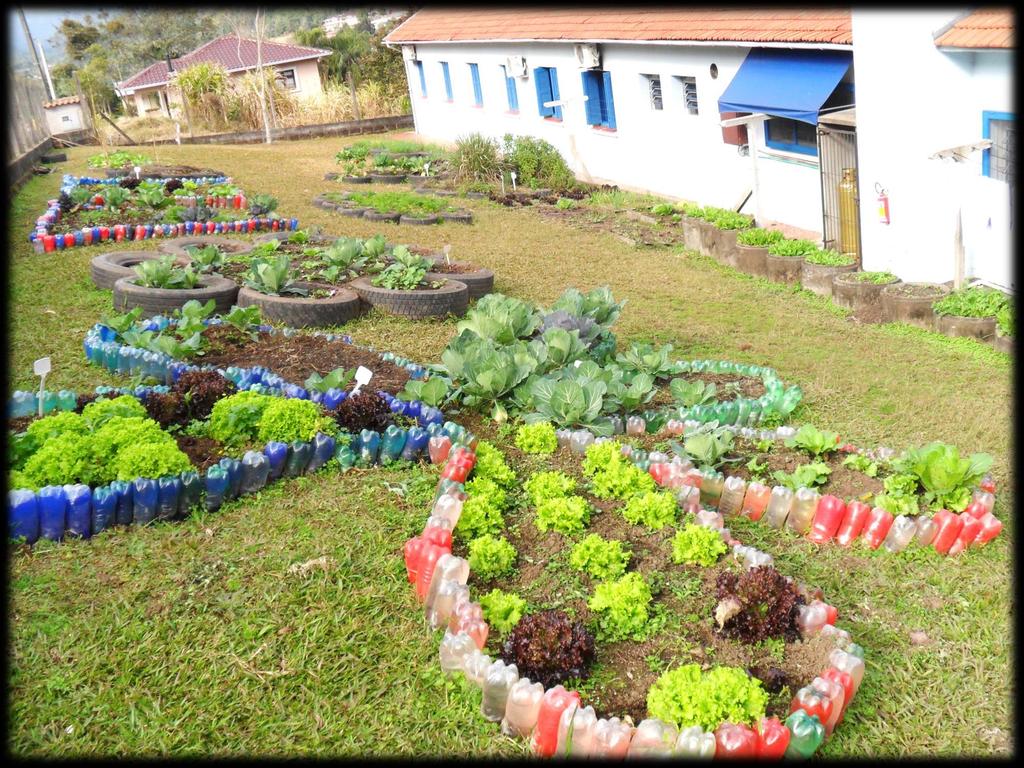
column 785, row 82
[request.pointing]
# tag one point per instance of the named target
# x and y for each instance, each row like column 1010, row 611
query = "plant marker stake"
column 138, row 170
column 363, row 376
column 513, row 175
column 41, row 367
column 426, row 169
column 447, row 255
column 503, row 185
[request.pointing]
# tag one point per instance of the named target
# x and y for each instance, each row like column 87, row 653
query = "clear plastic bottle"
column 709, row 518
column 454, row 650
column 779, row 504
column 806, row 734
column 853, row 665
column 444, row 602
column 611, row 738
column 836, row 695
column 498, row 681
column 580, row 440
column 811, row 618
column 635, row 426
column 805, row 502
column 169, row 489
column 545, row 735
column 449, row 569
column 772, row 738
column 522, row 708
column 732, row 496
column 449, row 506
column 711, row 488
column 900, row 533
column 475, row 667
column 688, row 498
column 653, row 738
column 576, row 732
column 562, row 436
column 694, row 742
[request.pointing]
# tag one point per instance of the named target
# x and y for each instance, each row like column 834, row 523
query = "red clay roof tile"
column 989, row 28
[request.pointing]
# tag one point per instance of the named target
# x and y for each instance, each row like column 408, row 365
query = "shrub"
column 549, row 648
column 99, row 412
column 290, row 419
column 549, row 485
column 600, row 558
column 477, row 158
column 537, row 163
column 364, row 410
column 697, row 545
column 236, row 419
column 565, row 514
column 829, row 257
column 761, row 238
column 976, row 301
column 491, row 557
column 502, row 610
column 479, row 517
column 685, row 696
column 537, row 438
column 490, row 463
column 792, row 248
column 653, row 509
column 757, row 604
column 621, row 607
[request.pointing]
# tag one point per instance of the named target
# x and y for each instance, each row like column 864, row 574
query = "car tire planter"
column 178, row 245
column 321, row 202
column 107, row 268
column 450, row 299
column 858, row 295
column 900, row 305
column 817, row 278
column 331, row 176
column 783, row 269
column 356, row 179
column 419, row 221
column 750, row 259
column 371, row 215
column 388, row 178
column 163, row 301
column 479, row 282
column 980, row 328
column 460, row 217
column 300, row 312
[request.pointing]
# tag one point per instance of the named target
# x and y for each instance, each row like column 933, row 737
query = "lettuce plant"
column 490, row 463
column 686, row 696
column 538, row 438
column 502, row 610
column 612, row 475
column 479, row 517
column 861, row 463
column 288, row 419
column 565, row 514
column 653, row 509
column 484, row 488
column 814, row 441
column 433, row 391
column 900, row 495
column 621, row 607
column 548, row 647
column 804, row 476
column 543, row 486
column 757, row 604
column 947, row 479
column 99, row 412
column 644, row 358
column 600, row 558
column 235, row 420
column 697, row 545
column 491, row 557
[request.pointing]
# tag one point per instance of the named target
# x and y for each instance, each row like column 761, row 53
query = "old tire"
column 419, row 221
column 178, row 245
column 322, row 202
column 450, row 299
column 352, row 212
column 388, row 178
column 479, row 282
column 331, row 176
column 392, row 216
column 356, row 179
column 107, row 268
column 163, row 301
column 459, row 217
column 299, row 312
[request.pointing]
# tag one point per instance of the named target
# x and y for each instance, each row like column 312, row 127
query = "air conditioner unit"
column 588, row 56
column 515, row 66
column 409, row 52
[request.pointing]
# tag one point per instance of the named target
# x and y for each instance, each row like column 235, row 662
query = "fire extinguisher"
column 883, row 204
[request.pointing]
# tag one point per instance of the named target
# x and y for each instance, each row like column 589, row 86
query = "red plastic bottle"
column 429, row 556
column 827, row 519
column 845, row 680
column 545, row 736
column 756, row 500
column 772, row 738
column 876, row 527
column 948, row 528
column 969, row 530
column 976, row 509
column 69, row 239
column 853, row 523
column 438, row 448
column 411, row 551
column 990, row 528
column 118, row 233
column 49, row 243
column 813, row 702
column 735, row 740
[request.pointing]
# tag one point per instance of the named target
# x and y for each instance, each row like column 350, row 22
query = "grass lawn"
column 196, row 639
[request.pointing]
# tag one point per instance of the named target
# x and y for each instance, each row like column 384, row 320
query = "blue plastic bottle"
column 255, row 470
column 104, row 502
column 276, row 453
column 79, row 516
column 144, row 497
column 414, row 408
column 323, row 450
column 369, row 447
column 216, row 482
column 392, row 444
column 53, row 506
column 66, row 400
column 23, row 515
column 191, row 492
column 167, row 497
column 332, row 398
column 124, row 506
column 234, row 469
column 299, row 454
column 415, row 443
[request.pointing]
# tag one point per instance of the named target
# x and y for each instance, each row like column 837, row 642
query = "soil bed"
column 295, row 358
column 203, row 452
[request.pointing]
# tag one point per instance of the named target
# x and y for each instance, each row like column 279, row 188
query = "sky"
column 42, row 23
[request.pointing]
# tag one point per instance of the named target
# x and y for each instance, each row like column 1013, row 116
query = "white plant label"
column 138, row 170
column 363, row 376
column 41, row 367
column 426, row 169
column 513, row 175
column 447, row 254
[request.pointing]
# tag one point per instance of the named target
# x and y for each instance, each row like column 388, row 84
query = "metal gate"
column 840, row 203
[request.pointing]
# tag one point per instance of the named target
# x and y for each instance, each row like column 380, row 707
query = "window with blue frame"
column 423, row 78
column 599, row 106
column 447, row 80
column 791, row 136
column 478, row 95
column 546, row 81
column 510, row 88
column 997, row 162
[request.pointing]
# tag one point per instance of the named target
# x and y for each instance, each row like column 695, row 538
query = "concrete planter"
column 858, row 295
column 912, row 303
column 981, row 328
column 691, row 233
column 725, row 241
column 817, row 278
column 783, row 269
column 751, row 259
column 708, row 239
column 1002, row 343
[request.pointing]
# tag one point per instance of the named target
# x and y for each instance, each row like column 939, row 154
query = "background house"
column 296, row 67
column 64, row 115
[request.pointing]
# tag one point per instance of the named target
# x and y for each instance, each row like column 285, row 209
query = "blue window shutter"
column 554, row 91
column 609, row 102
column 423, row 79
column 447, row 80
column 542, row 80
column 513, row 95
column 592, row 105
column 478, row 97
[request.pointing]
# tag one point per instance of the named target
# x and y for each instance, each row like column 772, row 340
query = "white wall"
column 912, row 101
column 668, row 152
column 55, row 118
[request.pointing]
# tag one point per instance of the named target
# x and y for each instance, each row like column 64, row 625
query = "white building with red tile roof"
column 296, row 68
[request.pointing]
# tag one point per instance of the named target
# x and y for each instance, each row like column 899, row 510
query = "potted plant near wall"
column 912, row 303
column 272, row 285
column 821, row 265
column 403, row 289
column 861, row 292
column 970, row 312
column 785, row 258
column 752, row 249
column 692, row 220
column 727, row 225
column 160, row 286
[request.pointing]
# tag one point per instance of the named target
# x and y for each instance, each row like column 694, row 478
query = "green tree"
column 347, row 47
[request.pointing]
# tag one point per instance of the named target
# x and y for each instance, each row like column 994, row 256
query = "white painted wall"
column 913, row 100
column 55, row 118
column 668, row 152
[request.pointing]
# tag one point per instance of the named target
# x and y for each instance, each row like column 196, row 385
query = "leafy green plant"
column 433, row 391
column 99, row 412
column 339, row 378
column 814, row 441
column 612, row 475
column 550, row 648
column 690, row 393
column 562, row 347
column 686, row 696
column 570, row 403
column 343, row 258
column 804, row 476
column 491, row 557
column 405, row 203
column 598, row 304
column 975, row 301
column 663, row 209
column 500, row 318
column 537, row 163
column 551, row 484
column 1005, row 319
column 653, row 509
column 118, row 159
column 861, row 463
column 600, row 558
column 244, row 319
column 154, row 198
column 565, row 204
column 235, row 420
column 490, row 463
column 946, row 478
column 758, row 469
column 725, row 219
column 565, row 514
column 758, row 238
column 405, row 273
column 792, row 248
column 119, row 323
column 538, row 438
column 479, row 517
column 484, row 488
column 900, row 496
column 150, row 460
column 878, row 278
column 274, row 277
column 502, row 610
column 707, row 446
column 644, row 358
column 621, row 607
column 697, row 545
column 693, row 211
column 190, row 316
column 261, row 205
column 486, row 372
column 829, row 257
column 162, row 273
column 115, row 197
column 206, row 259
column 81, row 195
